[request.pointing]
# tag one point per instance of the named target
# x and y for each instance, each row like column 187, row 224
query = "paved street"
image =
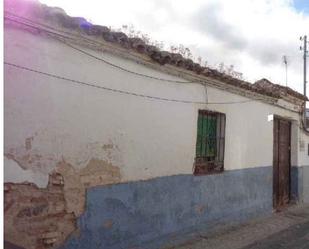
column 295, row 237
column 285, row 230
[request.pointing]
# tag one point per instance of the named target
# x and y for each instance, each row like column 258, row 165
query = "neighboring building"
column 140, row 146
column 307, row 118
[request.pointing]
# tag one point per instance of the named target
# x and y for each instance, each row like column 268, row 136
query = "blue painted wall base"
column 296, row 184
column 136, row 214
column 300, row 184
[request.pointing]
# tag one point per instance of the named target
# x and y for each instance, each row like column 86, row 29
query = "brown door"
column 281, row 161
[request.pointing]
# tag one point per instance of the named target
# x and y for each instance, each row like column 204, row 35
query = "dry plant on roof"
column 181, row 49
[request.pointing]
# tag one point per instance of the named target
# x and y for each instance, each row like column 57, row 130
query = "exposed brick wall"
column 37, row 218
column 40, row 218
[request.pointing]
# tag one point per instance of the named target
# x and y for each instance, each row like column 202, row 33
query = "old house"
column 111, row 143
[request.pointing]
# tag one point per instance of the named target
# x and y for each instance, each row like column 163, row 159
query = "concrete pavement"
column 288, row 229
column 295, row 237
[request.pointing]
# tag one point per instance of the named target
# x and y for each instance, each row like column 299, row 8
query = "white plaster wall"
column 306, row 184
column 144, row 138
column 304, row 162
column 303, row 149
column 14, row 173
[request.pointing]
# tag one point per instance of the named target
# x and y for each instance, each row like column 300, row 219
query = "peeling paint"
column 108, row 223
column 97, row 172
column 35, row 153
column 200, row 209
column 44, row 217
column 33, row 160
column 134, row 214
column 28, row 142
column 36, row 217
column 14, row 173
column 45, row 192
column 107, row 146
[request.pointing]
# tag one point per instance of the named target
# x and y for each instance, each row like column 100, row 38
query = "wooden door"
column 281, row 162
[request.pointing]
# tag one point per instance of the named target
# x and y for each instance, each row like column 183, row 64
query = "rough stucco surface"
column 44, row 217
column 36, row 218
column 38, row 155
column 90, row 119
column 15, row 173
column 297, row 183
column 305, row 181
column 137, row 212
column 84, row 137
column 300, row 184
column 97, row 172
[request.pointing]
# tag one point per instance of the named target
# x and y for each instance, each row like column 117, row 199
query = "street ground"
column 285, row 230
column 288, row 229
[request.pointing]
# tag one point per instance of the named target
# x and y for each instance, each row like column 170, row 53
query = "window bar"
column 215, row 137
column 223, row 138
column 219, row 140
column 206, row 136
column 201, row 148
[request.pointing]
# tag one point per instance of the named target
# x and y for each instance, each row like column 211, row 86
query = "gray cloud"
column 257, row 53
column 209, row 21
column 270, row 51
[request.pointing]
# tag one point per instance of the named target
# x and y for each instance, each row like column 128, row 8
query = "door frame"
column 276, row 161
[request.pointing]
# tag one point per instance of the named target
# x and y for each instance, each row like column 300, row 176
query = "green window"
column 209, row 142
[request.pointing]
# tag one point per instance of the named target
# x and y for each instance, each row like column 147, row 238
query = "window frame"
column 202, row 165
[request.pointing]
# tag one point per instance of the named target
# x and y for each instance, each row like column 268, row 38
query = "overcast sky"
column 252, row 35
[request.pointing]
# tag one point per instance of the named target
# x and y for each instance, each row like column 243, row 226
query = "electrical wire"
column 89, row 54
column 124, row 69
column 100, row 59
column 206, row 94
column 105, row 61
column 120, row 91
column 117, row 90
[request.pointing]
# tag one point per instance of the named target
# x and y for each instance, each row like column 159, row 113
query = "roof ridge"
column 59, row 16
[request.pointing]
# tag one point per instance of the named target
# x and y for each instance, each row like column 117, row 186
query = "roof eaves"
column 58, row 16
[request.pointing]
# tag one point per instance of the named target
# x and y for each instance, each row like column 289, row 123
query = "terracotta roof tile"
column 58, row 16
column 266, row 85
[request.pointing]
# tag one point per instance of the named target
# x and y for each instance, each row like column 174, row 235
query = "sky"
column 251, row 35
column 302, row 5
